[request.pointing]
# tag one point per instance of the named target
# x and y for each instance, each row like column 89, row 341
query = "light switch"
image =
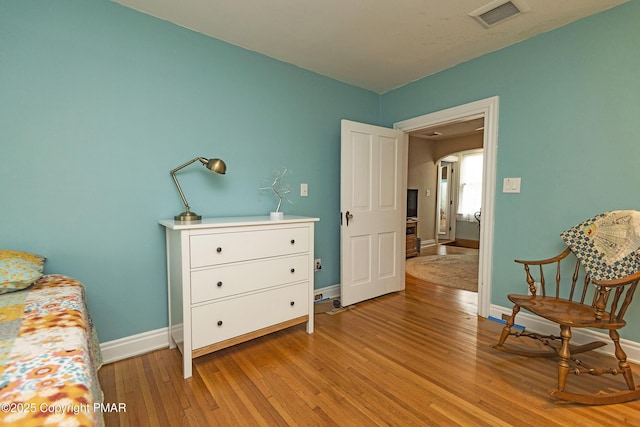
column 304, row 190
column 511, row 185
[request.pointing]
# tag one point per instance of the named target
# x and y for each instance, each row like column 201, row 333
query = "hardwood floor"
column 417, row 357
column 445, row 250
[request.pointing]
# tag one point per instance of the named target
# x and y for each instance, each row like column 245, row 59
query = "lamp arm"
column 184, row 165
column 175, row 180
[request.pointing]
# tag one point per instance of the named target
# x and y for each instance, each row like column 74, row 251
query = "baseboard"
column 427, row 243
column 466, row 243
column 332, row 291
column 138, row 344
column 134, row 345
column 579, row 335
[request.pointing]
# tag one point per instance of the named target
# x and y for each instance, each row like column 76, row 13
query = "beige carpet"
column 458, row 271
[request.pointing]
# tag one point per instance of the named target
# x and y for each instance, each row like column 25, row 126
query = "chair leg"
column 509, row 323
column 565, row 357
column 622, row 360
column 600, row 398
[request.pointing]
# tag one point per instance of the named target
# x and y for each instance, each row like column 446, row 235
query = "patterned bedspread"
column 49, row 356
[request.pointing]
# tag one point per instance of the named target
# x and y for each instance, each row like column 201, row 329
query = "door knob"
column 349, row 216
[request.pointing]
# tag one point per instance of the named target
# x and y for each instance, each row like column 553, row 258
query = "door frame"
column 487, row 108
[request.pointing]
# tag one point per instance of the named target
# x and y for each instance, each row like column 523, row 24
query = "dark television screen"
column 412, row 203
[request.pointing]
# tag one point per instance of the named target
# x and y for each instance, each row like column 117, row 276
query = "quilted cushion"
column 19, row 270
column 608, row 245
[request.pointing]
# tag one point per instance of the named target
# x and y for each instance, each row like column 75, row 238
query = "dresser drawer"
column 222, row 248
column 222, row 320
column 228, row 280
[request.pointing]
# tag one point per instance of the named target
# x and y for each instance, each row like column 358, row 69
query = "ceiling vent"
column 498, row 11
column 433, row 134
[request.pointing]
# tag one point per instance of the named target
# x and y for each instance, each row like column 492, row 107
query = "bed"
column 49, row 353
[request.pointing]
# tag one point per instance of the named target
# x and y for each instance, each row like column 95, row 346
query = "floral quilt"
column 49, row 356
column 608, row 245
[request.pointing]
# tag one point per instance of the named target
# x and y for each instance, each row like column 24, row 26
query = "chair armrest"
column 618, row 282
column 546, row 261
column 531, row 281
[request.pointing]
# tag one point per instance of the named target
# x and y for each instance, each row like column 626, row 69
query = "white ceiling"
column 442, row 132
column 373, row 44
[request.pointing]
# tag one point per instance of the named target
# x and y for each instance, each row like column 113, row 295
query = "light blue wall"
column 99, row 102
column 568, row 125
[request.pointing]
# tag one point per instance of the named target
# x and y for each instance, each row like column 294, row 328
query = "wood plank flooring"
column 418, row 357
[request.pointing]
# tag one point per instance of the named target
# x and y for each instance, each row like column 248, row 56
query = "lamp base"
column 187, row 217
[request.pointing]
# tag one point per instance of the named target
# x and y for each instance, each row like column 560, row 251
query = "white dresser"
column 234, row 279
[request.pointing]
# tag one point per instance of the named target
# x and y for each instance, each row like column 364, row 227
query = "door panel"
column 361, row 172
column 361, row 272
column 373, row 181
column 388, row 174
column 386, row 248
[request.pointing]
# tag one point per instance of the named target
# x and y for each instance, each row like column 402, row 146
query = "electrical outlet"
column 317, row 264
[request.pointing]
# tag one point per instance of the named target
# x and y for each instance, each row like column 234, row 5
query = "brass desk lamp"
column 214, row 165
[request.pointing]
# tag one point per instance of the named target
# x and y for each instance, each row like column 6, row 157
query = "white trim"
column 487, row 108
column 579, row 335
column 427, row 243
column 328, row 292
column 134, row 345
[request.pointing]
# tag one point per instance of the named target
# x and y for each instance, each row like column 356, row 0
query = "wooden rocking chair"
column 572, row 307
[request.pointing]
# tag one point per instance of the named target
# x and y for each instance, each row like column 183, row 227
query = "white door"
column 373, row 207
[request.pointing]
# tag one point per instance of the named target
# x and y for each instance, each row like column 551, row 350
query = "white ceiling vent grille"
column 498, row 11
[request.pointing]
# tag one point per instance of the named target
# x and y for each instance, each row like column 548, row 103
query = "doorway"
column 445, row 223
column 488, row 110
column 466, row 200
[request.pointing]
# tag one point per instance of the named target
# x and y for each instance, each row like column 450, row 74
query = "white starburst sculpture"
column 280, row 189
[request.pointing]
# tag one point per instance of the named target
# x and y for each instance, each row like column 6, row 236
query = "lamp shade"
column 216, row 165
